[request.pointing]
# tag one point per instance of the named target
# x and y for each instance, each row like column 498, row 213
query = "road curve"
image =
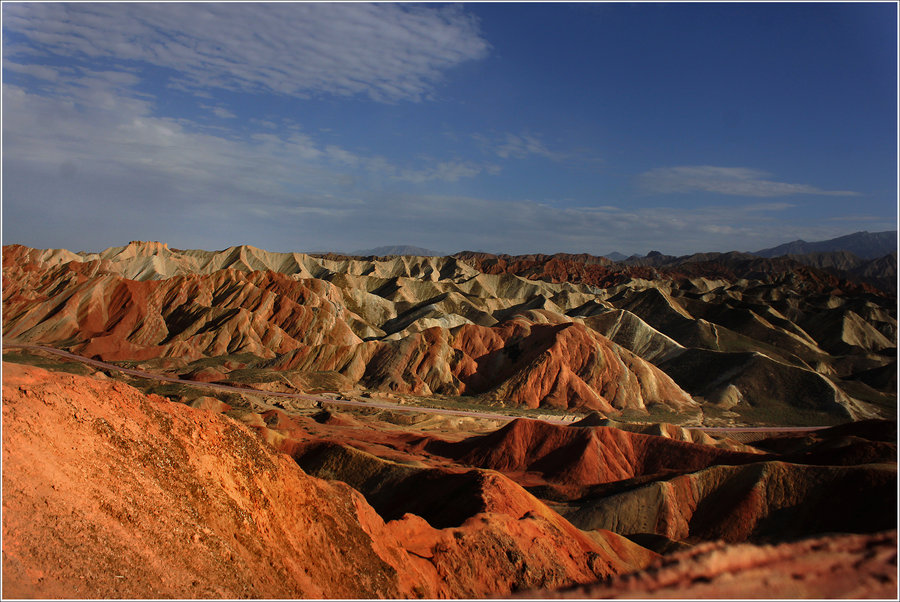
column 366, row 404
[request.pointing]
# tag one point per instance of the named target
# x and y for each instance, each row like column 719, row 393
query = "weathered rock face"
column 566, row 363
column 599, row 271
column 522, row 362
column 768, row 386
column 488, row 515
column 105, row 489
column 102, row 315
column 554, row 268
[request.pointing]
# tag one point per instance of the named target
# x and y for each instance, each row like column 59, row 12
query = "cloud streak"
column 98, row 121
column 510, row 145
column 738, row 181
column 387, row 52
column 520, row 146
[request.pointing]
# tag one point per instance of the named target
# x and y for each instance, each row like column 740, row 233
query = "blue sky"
column 512, row 128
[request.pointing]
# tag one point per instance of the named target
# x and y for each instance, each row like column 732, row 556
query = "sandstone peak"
column 148, row 245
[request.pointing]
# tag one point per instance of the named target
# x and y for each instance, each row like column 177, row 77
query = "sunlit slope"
column 110, row 493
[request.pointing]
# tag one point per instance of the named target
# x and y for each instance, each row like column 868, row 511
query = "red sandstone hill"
column 561, row 267
column 520, row 362
column 109, row 493
column 651, row 488
column 101, row 315
column 750, row 339
column 301, row 326
column 641, row 485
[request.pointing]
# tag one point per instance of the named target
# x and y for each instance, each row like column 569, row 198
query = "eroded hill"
column 721, row 338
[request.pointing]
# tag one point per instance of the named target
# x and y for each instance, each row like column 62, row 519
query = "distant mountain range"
column 869, row 256
column 863, row 245
column 844, row 252
column 397, row 250
column 867, row 245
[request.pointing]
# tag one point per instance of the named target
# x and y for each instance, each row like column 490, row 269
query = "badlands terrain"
column 718, row 425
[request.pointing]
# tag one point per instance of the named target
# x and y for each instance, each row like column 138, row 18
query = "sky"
column 506, row 128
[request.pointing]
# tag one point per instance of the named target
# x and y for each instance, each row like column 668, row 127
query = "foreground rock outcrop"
column 848, row 566
column 109, row 493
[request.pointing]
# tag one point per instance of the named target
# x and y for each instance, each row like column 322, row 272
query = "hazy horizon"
column 507, row 128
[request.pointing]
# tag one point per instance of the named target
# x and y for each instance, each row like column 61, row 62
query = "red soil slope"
column 110, row 493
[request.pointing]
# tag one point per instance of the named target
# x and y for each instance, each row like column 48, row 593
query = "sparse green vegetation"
column 239, row 358
column 661, row 413
column 171, row 390
column 47, row 363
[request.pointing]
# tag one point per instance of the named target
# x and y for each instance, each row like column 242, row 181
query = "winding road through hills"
column 368, row 404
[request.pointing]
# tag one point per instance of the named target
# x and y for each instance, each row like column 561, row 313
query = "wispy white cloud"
column 447, row 171
column 386, row 51
column 38, row 71
column 94, row 137
column 528, row 145
column 519, row 146
column 739, row 181
column 220, row 112
column 515, row 146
